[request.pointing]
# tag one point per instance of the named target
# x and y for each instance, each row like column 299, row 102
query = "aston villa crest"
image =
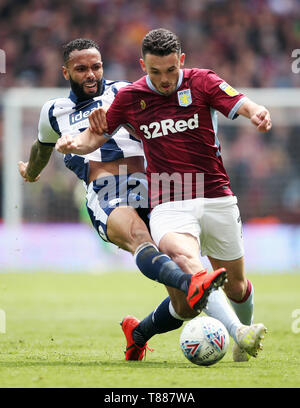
column 184, row 97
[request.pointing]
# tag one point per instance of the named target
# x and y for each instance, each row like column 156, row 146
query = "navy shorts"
column 107, row 193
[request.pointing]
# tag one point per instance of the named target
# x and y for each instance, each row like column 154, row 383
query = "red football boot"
column 133, row 351
column 202, row 284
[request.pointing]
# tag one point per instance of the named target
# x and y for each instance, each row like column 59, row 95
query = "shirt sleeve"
column 221, row 96
column 46, row 133
column 115, row 115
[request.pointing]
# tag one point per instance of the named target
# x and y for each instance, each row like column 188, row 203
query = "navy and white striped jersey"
column 69, row 116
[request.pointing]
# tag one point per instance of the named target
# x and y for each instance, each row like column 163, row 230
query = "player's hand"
column 23, row 171
column 98, row 122
column 65, row 144
column 262, row 120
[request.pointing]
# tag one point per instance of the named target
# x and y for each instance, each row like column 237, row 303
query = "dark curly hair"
column 78, row 44
column 160, row 42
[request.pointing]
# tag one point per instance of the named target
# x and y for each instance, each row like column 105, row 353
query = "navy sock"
column 158, row 321
column 159, row 267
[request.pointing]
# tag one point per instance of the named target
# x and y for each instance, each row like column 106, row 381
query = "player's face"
column 84, row 70
column 163, row 71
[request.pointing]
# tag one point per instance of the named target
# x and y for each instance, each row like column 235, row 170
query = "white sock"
column 244, row 308
column 175, row 315
column 219, row 308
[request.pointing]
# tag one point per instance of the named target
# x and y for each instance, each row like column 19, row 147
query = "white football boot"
column 239, row 355
column 248, row 341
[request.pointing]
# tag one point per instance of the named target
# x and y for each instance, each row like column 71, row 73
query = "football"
column 204, row 340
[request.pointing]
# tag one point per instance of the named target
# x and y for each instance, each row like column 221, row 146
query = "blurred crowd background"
column 248, row 43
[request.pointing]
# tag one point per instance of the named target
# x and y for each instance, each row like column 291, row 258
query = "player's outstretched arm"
column 83, row 143
column 258, row 114
column 87, row 141
column 39, row 157
column 98, row 123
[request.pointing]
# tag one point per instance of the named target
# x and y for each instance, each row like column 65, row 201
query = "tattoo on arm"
column 39, row 157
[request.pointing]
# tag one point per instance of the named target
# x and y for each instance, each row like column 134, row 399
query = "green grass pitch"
column 62, row 330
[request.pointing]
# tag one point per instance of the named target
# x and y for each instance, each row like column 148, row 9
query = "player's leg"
column 124, row 227
column 128, row 231
column 184, row 249
column 169, row 315
column 241, row 296
column 121, row 225
column 239, row 289
column 185, row 252
column 223, row 244
column 175, row 230
column 166, row 317
column 137, row 333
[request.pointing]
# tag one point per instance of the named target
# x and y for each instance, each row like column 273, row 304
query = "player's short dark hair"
column 160, row 42
column 78, row 44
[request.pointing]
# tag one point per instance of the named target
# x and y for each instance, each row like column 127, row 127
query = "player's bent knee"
column 139, row 236
column 236, row 289
column 126, row 229
column 179, row 259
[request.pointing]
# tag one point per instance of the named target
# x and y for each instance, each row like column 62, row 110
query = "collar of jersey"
column 74, row 98
column 151, row 86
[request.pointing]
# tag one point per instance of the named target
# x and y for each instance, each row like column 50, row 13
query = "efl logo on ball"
column 204, row 340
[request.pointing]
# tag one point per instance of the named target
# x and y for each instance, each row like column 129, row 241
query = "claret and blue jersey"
column 179, row 131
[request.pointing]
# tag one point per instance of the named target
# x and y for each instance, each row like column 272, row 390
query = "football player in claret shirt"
column 110, row 175
column 174, row 112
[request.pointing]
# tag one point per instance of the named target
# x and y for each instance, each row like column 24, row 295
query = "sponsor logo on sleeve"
column 228, row 89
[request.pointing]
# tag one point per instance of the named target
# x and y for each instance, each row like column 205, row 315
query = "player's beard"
column 79, row 90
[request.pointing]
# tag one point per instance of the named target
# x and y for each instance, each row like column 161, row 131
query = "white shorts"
column 215, row 222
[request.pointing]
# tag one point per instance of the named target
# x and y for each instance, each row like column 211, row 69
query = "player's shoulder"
column 54, row 108
column 202, row 80
column 134, row 89
column 139, row 85
column 114, row 86
column 111, row 89
column 198, row 73
column 57, row 103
